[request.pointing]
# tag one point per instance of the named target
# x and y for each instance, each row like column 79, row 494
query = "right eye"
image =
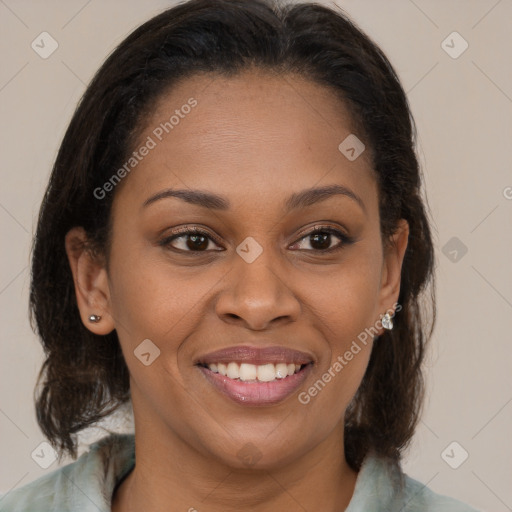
column 191, row 239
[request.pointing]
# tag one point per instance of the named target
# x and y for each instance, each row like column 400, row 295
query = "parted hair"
column 84, row 377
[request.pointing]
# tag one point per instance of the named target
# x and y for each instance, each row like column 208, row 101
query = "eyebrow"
column 301, row 199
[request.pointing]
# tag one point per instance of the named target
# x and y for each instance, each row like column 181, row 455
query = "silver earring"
column 94, row 318
column 387, row 322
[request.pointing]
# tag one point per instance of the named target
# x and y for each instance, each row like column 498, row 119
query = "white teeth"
column 281, row 370
column 248, row 371
column 251, row 372
column 233, row 371
column 267, row 373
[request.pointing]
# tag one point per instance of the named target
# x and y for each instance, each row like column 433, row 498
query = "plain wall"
column 463, row 110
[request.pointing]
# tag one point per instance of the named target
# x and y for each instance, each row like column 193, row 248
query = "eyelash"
column 183, row 232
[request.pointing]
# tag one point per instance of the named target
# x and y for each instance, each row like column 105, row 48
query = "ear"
column 394, row 253
column 91, row 282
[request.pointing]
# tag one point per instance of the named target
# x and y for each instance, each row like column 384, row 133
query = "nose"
column 258, row 295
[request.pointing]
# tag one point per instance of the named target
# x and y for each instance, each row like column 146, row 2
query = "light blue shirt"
column 87, row 485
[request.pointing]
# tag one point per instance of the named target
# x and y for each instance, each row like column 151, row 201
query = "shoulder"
column 418, row 497
column 83, row 485
column 382, row 486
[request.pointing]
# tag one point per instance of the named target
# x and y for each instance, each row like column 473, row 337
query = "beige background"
column 463, row 109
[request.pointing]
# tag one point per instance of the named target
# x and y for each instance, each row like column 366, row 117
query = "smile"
column 256, row 376
column 255, row 373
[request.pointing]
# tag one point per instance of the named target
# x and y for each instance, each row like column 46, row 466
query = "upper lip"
column 255, row 355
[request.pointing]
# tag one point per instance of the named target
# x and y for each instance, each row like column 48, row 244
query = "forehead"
column 255, row 135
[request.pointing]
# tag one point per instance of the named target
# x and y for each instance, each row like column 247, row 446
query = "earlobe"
column 392, row 267
column 91, row 283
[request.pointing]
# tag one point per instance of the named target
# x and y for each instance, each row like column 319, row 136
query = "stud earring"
column 387, row 322
column 94, row 318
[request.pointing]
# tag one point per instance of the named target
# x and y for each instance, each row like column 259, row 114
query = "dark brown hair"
column 84, row 377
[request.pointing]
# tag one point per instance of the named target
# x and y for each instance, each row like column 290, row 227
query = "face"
column 274, row 276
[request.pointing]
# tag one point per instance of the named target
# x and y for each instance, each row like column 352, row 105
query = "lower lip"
column 257, row 393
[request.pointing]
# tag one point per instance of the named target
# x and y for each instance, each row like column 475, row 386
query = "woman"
column 233, row 239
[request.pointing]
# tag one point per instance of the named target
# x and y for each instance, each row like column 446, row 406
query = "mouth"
column 257, row 377
column 244, row 372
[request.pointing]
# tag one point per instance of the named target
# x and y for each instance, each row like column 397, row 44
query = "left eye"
column 322, row 238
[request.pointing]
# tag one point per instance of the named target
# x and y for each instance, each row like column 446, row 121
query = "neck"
column 167, row 472
column 156, row 482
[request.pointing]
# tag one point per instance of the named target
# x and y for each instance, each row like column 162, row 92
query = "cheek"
column 345, row 323
column 344, row 306
column 153, row 301
column 344, row 310
column 345, row 300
